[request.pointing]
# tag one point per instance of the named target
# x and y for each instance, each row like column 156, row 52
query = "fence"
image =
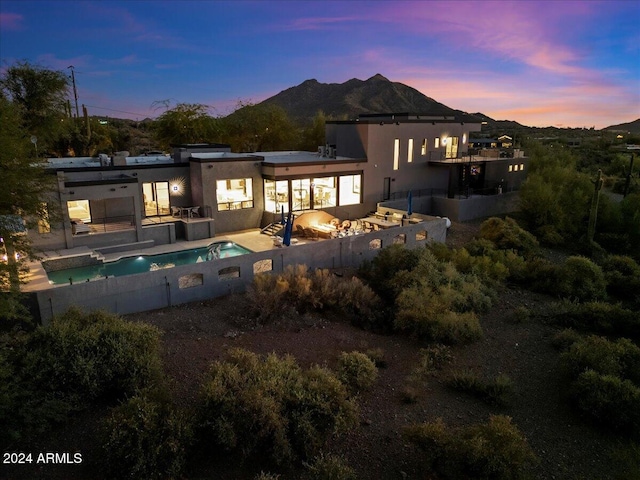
column 206, row 280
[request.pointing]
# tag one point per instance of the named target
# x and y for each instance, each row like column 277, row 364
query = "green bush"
column 329, row 467
column 598, row 317
column 270, row 406
column 622, row 274
column 582, row 279
column 508, row 235
column 494, row 450
column 146, row 438
column 86, row 356
column 619, row 358
column 565, row 338
column 391, row 260
column 78, row 359
column 425, row 314
column 357, row 371
column 608, row 400
column 497, row 391
column 434, row 357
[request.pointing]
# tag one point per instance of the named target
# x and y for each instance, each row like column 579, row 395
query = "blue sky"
column 541, row 63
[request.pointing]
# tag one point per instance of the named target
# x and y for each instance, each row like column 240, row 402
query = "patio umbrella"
column 288, row 229
column 409, row 204
column 282, row 214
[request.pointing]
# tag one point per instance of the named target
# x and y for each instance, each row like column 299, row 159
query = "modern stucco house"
column 205, row 189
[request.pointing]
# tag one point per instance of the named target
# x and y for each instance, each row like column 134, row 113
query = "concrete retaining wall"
column 206, row 280
column 478, row 206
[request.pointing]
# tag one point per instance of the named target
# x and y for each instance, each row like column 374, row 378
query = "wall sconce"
column 123, row 186
column 176, row 186
column 397, row 123
column 112, row 189
column 72, row 192
column 209, row 166
column 381, row 123
column 287, row 169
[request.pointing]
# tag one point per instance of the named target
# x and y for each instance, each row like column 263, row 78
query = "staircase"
column 272, row 229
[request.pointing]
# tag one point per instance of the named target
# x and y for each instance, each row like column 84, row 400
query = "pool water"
column 146, row 263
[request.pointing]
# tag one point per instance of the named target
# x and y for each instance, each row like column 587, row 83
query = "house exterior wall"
column 205, row 173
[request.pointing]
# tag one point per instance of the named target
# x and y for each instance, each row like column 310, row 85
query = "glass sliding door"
column 156, row 198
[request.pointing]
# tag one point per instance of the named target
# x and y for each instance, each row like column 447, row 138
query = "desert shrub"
column 619, row 358
column 521, row 314
column 79, row 358
column 582, row 279
column 377, row 356
column 329, row 467
column 496, row 391
column 565, row 338
column 622, row 274
column 270, row 406
column 357, row 371
column 495, row 450
column 146, row 438
column 380, row 272
column 536, row 274
column 598, row 317
column 300, row 290
column 434, row 357
column 508, row 235
column 425, row 314
column 608, row 400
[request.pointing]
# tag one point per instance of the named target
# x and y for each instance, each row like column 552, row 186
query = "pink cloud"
column 50, row 60
column 11, row 21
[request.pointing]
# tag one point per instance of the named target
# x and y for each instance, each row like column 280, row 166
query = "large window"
column 396, row 153
column 156, row 198
column 423, row 151
column 452, row 147
column 276, row 195
column 234, row 194
column 410, row 151
column 79, row 210
column 301, row 194
column 324, row 192
column 350, row 189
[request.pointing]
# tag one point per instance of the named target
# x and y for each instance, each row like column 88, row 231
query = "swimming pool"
column 147, row 263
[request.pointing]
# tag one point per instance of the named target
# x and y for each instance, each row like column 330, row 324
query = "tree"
column 41, row 96
column 314, row 135
column 25, row 188
column 186, row 123
column 259, row 128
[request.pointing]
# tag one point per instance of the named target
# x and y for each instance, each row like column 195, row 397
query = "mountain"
column 631, row 127
column 345, row 101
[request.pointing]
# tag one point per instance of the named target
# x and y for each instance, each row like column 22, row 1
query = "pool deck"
column 251, row 239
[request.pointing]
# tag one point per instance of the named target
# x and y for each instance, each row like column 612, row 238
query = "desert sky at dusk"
column 540, row 63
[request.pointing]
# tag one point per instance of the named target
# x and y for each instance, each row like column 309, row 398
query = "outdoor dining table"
column 189, row 212
column 380, row 222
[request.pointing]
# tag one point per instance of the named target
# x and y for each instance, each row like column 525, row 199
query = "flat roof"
column 303, row 158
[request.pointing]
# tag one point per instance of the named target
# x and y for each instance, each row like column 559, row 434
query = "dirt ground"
column 197, row 334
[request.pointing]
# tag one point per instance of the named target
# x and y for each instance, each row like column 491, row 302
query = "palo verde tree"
column 40, row 95
column 25, row 188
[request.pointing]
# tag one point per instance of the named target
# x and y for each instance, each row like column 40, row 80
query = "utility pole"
column 75, row 92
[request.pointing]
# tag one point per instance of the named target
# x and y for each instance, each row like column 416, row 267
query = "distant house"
column 201, row 190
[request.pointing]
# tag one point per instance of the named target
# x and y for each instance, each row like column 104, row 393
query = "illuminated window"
column 522, row 166
column 436, row 143
column 423, row 150
column 349, row 189
column 452, row 147
column 511, row 168
column 515, row 168
column 464, row 138
column 276, row 196
column 79, row 210
column 234, row 194
column 410, row 151
column 324, row 192
column 156, row 198
column 396, row 153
